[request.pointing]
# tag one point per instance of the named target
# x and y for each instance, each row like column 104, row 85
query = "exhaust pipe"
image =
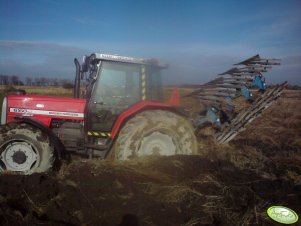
column 76, row 88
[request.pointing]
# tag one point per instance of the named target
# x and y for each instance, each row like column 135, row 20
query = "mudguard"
column 139, row 107
column 59, row 149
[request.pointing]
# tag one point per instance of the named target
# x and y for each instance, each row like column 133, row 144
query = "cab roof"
column 126, row 59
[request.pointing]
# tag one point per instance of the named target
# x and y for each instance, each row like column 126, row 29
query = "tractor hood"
column 45, row 108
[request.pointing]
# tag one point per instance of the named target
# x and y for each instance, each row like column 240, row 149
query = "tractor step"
column 246, row 116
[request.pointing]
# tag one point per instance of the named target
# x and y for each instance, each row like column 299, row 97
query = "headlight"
column 4, row 111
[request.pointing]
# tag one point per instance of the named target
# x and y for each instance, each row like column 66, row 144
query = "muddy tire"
column 24, row 149
column 155, row 132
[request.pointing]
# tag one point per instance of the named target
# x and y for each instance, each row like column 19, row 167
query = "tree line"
column 15, row 80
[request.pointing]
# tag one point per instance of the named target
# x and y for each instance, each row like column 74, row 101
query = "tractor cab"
column 114, row 84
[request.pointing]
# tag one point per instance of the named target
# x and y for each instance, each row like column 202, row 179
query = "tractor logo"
column 19, row 110
column 282, row 214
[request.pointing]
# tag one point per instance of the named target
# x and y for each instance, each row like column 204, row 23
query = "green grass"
column 38, row 90
column 47, row 91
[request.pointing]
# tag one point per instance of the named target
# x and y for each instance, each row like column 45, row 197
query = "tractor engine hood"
column 45, row 108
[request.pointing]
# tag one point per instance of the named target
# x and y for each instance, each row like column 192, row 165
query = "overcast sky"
column 198, row 39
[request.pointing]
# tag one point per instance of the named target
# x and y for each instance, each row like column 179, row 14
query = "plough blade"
column 258, row 60
column 245, row 117
column 216, row 94
column 215, row 99
column 237, row 82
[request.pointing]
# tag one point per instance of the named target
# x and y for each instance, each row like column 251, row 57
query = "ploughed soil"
column 231, row 184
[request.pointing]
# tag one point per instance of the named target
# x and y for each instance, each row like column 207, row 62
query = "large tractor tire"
column 155, row 132
column 24, row 149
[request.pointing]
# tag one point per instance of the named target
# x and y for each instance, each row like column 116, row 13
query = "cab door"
column 117, row 87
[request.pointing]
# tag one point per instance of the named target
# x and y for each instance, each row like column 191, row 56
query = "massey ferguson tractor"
column 122, row 117
column 123, row 114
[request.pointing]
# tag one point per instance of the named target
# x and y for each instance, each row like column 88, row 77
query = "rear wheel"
column 155, row 132
column 25, row 149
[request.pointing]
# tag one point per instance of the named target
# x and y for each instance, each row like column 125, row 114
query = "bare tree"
column 15, row 80
column 5, row 80
column 28, row 81
column 1, row 79
column 54, row 82
column 37, row 81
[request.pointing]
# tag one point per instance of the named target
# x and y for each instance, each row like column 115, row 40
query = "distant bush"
column 68, row 86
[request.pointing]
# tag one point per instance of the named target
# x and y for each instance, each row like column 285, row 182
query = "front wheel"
column 24, row 149
column 155, row 132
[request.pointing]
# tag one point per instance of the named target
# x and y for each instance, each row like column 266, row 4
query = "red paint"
column 133, row 110
column 68, row 105
column 175, row 97
column 45, row 103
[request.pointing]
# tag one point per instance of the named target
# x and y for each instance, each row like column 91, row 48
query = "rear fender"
column 139, row 107
column 60, row 151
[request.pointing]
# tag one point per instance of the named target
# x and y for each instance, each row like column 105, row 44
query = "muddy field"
column 233, row 184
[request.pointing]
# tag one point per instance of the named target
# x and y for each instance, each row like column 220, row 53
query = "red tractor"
column 123, row 116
